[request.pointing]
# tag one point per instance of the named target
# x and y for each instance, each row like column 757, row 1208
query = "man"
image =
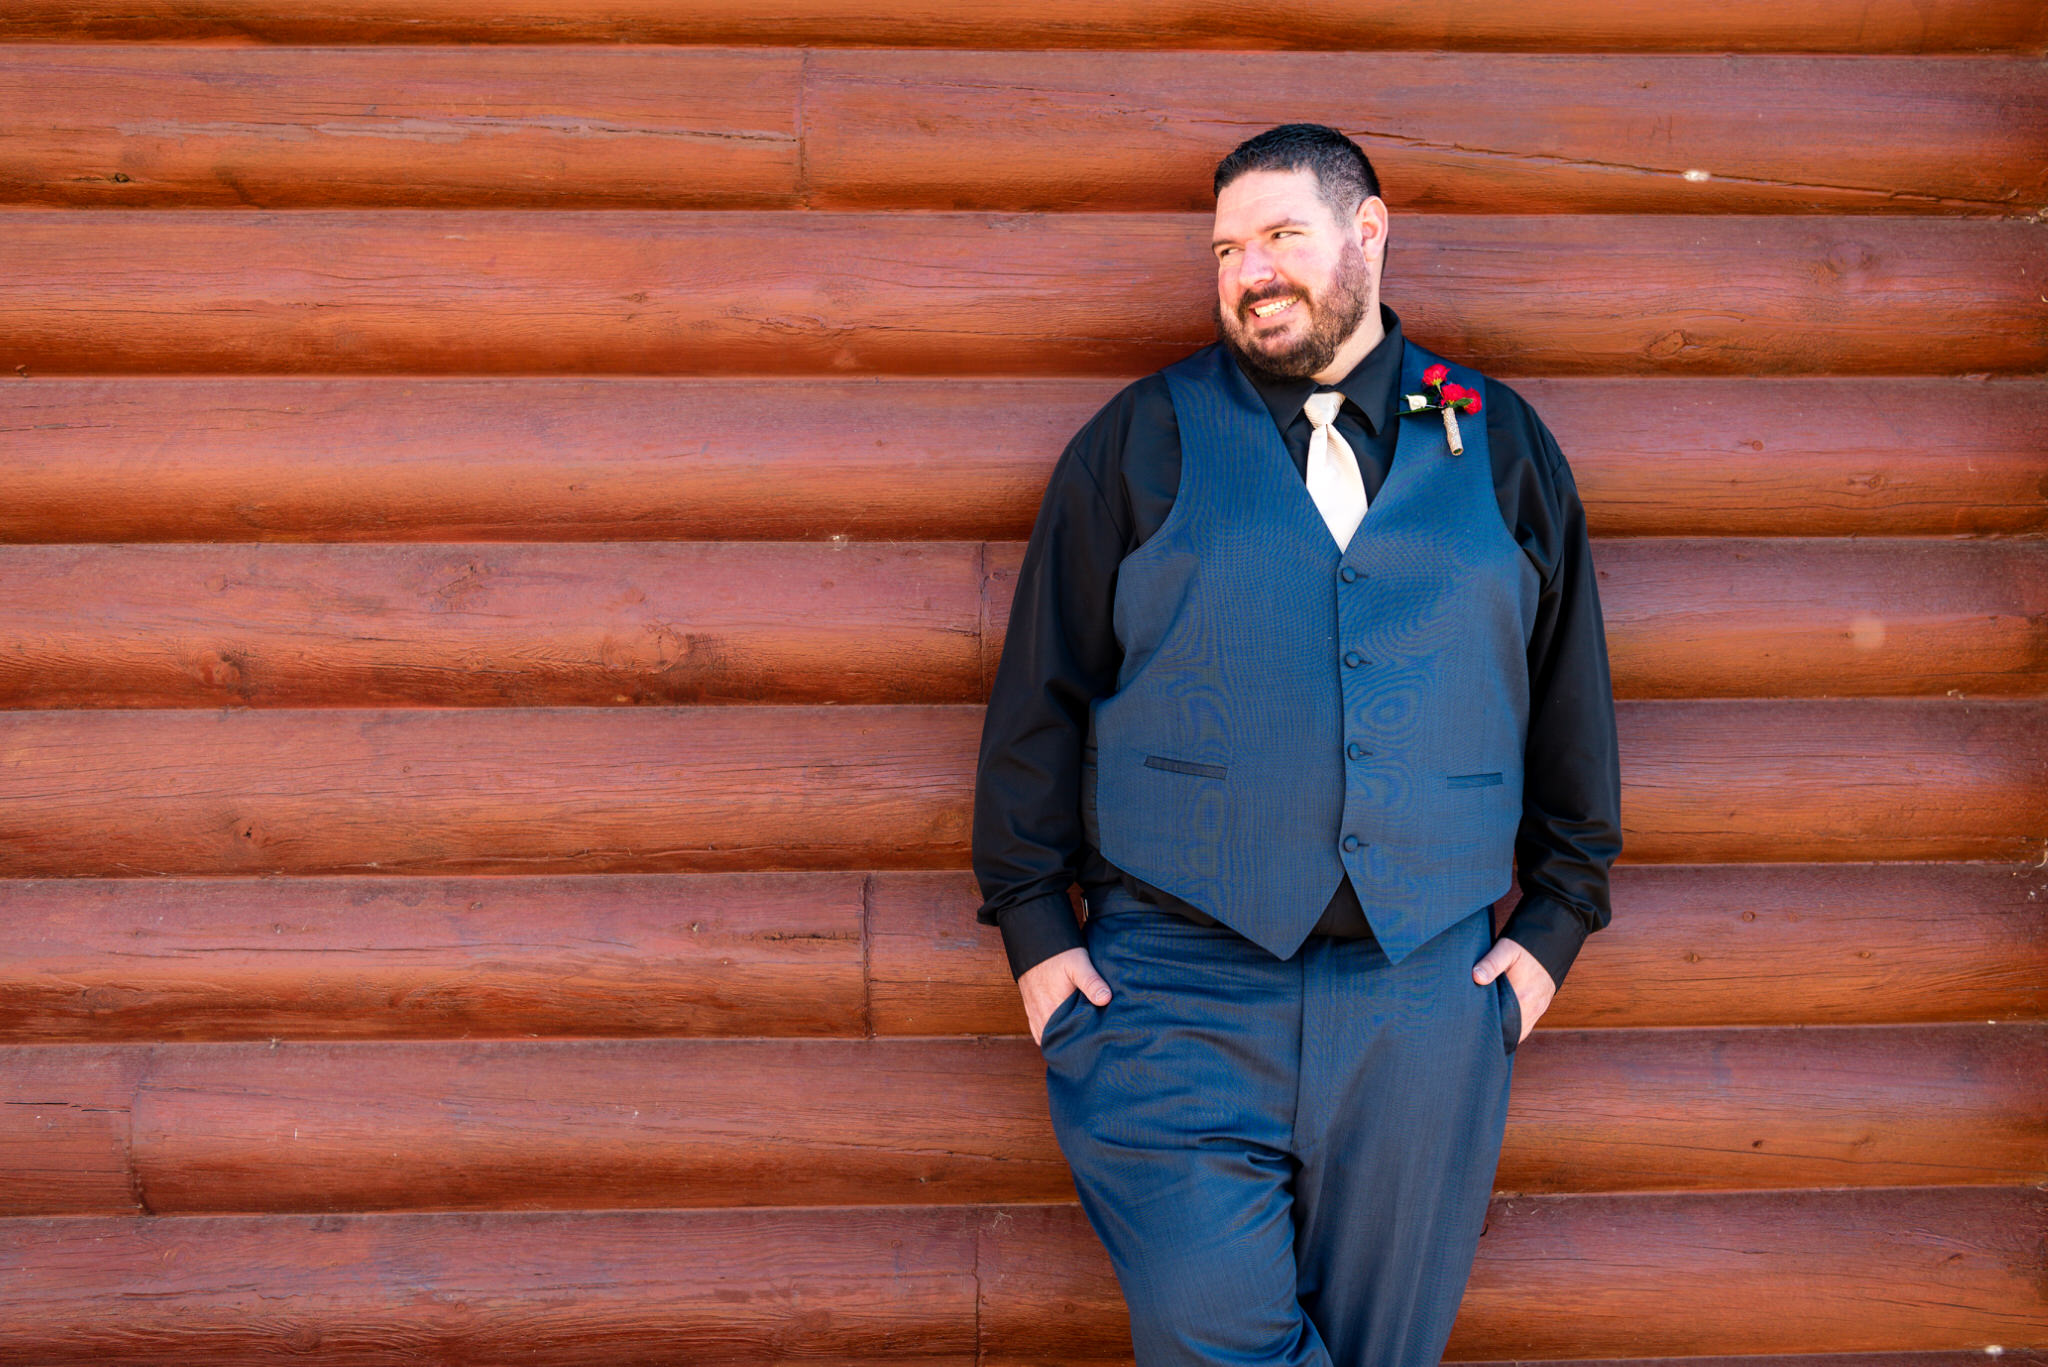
column 1291, row 680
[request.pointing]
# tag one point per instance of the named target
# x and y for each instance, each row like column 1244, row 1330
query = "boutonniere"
column 1445, row 398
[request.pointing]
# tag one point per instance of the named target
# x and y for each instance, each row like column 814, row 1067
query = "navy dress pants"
column 1288, row 1161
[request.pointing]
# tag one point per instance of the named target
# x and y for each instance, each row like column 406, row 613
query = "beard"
column 1333, row 315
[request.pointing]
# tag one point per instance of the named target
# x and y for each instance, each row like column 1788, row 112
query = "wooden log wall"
column 508, row 514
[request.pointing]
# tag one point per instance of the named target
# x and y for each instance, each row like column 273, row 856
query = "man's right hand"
column 1045, row 985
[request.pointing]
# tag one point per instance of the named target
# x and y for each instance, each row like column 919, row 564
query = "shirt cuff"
column 1550, row 930
column 1034, row 931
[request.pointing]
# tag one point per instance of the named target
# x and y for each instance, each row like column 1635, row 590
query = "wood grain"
column 155, row 126
column 542, row 127
column 1526, row 134
column 604, row 1124
column 480, row 1288
column 121, row 793
column 658, row 292
column 630, row 955
column 1879, row 26
column 493, row 625
column 783, row 954
column 1887, row 1272
column 1869, row 1271
column 1687, row 945
column 154, row 458
column 650, row 623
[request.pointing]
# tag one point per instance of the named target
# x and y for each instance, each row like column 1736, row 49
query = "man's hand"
column 1530, row 979
column 1045, row 985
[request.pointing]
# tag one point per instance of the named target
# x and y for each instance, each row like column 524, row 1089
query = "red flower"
column 1436, row 374
column 1457, row 396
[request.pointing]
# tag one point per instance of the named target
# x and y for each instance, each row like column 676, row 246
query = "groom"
column 1297, row 668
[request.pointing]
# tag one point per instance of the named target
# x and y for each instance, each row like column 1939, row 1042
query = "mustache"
column 1250, row 302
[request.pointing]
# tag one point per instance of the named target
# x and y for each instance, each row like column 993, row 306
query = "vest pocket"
column 1183, row 766
column 1485, row 780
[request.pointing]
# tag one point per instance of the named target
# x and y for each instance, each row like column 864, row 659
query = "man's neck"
column 1371, row 332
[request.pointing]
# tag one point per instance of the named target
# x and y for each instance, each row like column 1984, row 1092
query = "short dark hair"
column 1344, row 175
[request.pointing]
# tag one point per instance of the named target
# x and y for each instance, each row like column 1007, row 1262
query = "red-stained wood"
column 398, row 958
column 1722, row 618
column 1523, row 134
column 542, row 127
column 626, row 1288
column 645, row 127
column 1631, row 1277
column 1732, row 781
column 146, row 458
column 1884, row 1271
column 605, row 1124
column 631, row 623
column 798, row 294
column 1862, row 26
column 781, row 954
column 1647, row 1110
column 599, row 1124
column 492, row 790
column 492, row 625
column 1687, row 945
column 66, row 1134
column 120, row 793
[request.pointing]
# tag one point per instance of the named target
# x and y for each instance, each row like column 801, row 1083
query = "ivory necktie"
column 1333, row 478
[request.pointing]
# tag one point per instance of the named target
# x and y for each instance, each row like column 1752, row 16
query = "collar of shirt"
column 1369, row 387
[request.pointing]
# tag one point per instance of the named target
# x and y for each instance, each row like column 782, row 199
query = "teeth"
column 1271, row 307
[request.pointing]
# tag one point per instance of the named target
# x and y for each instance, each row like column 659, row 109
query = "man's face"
column 1292, row 282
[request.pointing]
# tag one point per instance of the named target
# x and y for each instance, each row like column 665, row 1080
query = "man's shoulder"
column 1142, row 409
column 1512, row 418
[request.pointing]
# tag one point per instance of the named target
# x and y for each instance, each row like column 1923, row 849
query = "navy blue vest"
column 1287, row 713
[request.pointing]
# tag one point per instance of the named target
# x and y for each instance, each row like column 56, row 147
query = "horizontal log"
column 1884, row 1271
column 120, row 793
column 549, row 1289
column 1638, row 1276
column 1688, row 945
column 781, row 954
column 1528, row 134
column 490, row 1125
column 401, row 958
column 639, row 623
column 1808, row 618
column 486, row 791
column 503, row 291
column 494, row 625
column 150, row 126
column 385, row 459
column 66, row 1130
column 1880, row 26
column 542, row 127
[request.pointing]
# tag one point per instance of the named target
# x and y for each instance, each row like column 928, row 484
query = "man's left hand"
column 1529, row 978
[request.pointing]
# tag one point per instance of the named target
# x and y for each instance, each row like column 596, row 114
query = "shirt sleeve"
column 1570, row 834
column 1060, row 652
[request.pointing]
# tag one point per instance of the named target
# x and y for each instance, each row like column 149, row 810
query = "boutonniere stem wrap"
column 1442, row 396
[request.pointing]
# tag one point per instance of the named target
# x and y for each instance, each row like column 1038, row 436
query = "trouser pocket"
column 1510, row 1013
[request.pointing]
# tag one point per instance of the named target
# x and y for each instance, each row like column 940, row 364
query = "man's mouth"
column 1273, row 306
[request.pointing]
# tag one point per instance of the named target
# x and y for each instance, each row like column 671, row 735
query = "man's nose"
column 1254, row 268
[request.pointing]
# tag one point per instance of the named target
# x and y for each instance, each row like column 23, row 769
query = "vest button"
column 1356, row 751
column 1353, row 658
column 1350, row 842
column 1347, row 574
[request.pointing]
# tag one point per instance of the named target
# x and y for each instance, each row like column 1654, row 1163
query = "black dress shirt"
column 1109, row 491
